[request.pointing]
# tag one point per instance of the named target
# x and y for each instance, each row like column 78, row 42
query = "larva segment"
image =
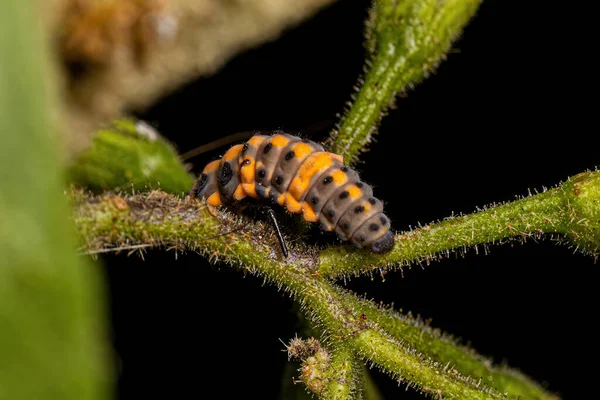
column 348, row 196
column 374, row 232
column 323, row 189
column 319, row 167
column 229, row 176
column 207, row 184
column 312, row 207
column 248, row 164
column 292, row 159
column 313, row 167
column 267, row 159
column 355, row 216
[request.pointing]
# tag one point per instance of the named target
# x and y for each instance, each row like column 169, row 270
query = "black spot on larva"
column 245, row 147
column 262, row 173
column 372, row 201
column 344, row 169
column 344, row 194
column 289, row 155
column 359, row 185
column 362, row 238
column 359, row 209
column 373, row 227
column 279, row 180
column 246, row 161
column 267, row 148
column 327, row 180
column 315, row 200
column 330, row 213
column 346, row 225
column 225, row 174
column 200, row 185
column 383, row 220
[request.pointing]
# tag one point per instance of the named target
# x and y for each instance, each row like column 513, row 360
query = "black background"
column 508, row 111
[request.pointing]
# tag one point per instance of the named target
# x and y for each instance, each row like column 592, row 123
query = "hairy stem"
column 392, row 358
column 346, row 375
column 158, row 219
column 443, row 351
column 569, row 210
column 407, row 40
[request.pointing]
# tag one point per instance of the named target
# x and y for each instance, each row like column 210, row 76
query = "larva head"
column 206, row 184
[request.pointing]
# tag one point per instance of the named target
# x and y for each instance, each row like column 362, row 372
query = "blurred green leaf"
column 51, row 324
column 130, row 155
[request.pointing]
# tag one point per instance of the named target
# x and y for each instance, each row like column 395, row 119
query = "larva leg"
column 273, row 218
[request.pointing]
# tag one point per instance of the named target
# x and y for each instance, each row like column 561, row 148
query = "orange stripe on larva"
column 233, row 153
column 250, row 189
column 256, row 140
column 354, row 191
column 239, row 193
column 339, row 177
column 308, row 213
column 293, row 205
column 315, row 163
column 211, row 166
column 281, row 199
column 214, row 199
column 279, row 141
column 301, row 150
column 248, row 170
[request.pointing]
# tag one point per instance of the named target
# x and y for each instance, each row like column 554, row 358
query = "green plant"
column 52, row 342
column 407, row 40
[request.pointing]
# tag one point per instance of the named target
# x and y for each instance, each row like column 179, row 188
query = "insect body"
column 300, row 175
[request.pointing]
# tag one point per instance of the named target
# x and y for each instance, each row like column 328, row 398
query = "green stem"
column 159, row 219
column 569, row 210
column 372, row 392
column 346, row 380
column 409, row 367
column 408, row 39
column 445, row 352
column 343, row 319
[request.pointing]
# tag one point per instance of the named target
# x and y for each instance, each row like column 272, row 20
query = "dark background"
column 507, row 111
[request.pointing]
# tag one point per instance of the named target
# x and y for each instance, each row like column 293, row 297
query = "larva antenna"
column 215, row 144
column 310, row 130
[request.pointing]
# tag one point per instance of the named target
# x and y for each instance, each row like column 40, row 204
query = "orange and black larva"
column 300, row 175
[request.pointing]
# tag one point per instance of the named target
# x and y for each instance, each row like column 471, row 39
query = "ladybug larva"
column 300, row 175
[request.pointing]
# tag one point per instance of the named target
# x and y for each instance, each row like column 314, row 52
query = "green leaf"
column 51, row 323
column 130, row 156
